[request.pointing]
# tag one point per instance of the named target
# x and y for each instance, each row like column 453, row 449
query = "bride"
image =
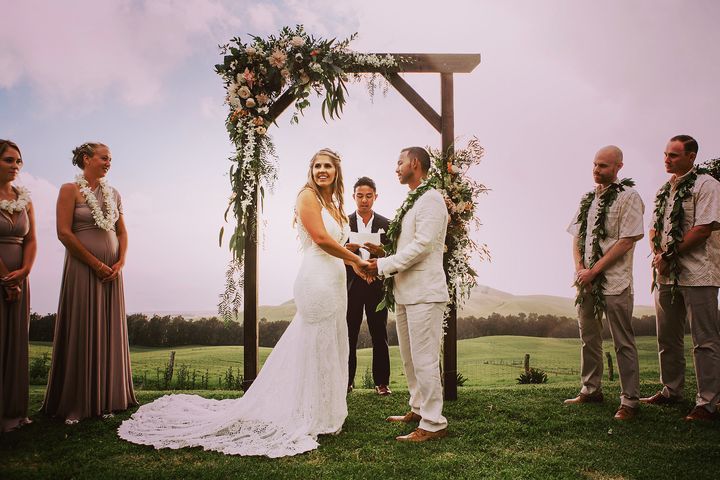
column 300, row 392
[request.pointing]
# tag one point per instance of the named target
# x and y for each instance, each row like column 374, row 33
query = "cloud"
column 77, row 53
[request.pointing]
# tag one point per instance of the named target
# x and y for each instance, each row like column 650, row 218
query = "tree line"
column 176, row 331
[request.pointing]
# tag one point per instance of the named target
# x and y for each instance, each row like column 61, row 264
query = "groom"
column 420, row 291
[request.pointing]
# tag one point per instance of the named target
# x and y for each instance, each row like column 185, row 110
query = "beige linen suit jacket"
column 418, row 263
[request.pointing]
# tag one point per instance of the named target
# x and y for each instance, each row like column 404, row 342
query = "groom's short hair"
column 419, row 154
column 364, row 182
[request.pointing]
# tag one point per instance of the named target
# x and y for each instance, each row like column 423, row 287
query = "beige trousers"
column 699, row 307
column 419, row 329
column 619, row 316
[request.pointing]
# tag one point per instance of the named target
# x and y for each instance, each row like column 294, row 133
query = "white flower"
column 244, row 92
column 250, row 102
column 298, row 57
column 239, row 78
column 251, row 51
column 104, row 221
column 263, row 110
column 234, row 100
column 316, row 67
column 297, row 41
column 17, row 205
column 261, row 130
column 454, row 169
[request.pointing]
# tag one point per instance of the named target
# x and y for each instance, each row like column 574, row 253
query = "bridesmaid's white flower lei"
column 17, row 205
column 105, row 221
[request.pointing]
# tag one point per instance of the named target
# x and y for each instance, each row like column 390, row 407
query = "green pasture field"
column 484, row 361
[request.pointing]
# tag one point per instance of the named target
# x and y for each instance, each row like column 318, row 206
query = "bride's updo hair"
column 87, row 148
column 338, row 187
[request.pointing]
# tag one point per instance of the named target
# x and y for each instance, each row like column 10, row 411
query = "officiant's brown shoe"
column 626, row 413
column 660, row 399
column 596, row 397
column 409, row 417
column 422, row 435
column 701, row 413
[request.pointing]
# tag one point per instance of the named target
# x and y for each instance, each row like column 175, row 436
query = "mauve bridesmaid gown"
column 90, row 373
column 14, row 326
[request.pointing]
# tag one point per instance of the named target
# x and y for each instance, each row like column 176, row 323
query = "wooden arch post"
column 444, row 64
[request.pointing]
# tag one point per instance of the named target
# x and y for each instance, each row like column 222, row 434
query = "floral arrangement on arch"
column 449, row 173
column 256, row 74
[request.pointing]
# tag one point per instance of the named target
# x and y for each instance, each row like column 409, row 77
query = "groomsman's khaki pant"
column 699, row 306
column 419, row 329
column 619, row 315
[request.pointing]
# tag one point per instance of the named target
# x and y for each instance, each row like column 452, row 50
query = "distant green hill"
column 483, row 302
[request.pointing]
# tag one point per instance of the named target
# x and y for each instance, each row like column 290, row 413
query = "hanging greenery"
column 262, row 76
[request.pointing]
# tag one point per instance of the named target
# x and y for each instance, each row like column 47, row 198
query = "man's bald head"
column 608, row 162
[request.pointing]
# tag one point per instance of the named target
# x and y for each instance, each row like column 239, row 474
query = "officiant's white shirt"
column 362, row 228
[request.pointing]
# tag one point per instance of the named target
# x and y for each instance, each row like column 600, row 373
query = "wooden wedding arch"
column 444, row 122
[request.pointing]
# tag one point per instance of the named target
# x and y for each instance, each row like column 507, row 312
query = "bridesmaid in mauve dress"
column 90, row 374
column 17, row 254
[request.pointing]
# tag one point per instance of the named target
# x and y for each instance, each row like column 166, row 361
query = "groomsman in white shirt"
column 692, row 256
column 621, row 210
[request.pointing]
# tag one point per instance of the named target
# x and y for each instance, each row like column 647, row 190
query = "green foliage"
column 367, row 380
column 460, row 379
column 534, row 375
column 39, row 369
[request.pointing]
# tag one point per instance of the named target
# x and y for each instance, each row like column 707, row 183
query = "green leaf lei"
column 598, row 233
column 393, row 234
column 683, row 190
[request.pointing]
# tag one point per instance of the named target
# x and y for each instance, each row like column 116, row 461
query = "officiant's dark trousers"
column 365, row 298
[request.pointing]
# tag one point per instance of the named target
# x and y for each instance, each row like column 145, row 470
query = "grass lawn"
column 503, row 432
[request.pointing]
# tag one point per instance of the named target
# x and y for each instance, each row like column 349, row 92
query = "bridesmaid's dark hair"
column 5, row 144
column 87, row 148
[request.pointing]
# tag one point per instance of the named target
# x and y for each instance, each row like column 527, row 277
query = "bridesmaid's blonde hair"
column 336, row 208
column 86, row 149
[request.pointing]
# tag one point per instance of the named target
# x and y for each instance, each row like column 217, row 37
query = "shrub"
column 534, row 375
column 460, row 379
column 39, row 369
column 367, row 380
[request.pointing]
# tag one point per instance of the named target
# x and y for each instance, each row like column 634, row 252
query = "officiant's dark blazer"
column 379, row 222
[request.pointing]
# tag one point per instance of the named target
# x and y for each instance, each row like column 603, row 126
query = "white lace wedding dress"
column 299, row 393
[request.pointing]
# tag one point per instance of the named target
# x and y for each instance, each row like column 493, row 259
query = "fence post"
column 611, row 375
column 527, row 363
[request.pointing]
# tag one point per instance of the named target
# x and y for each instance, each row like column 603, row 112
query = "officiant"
column 366, row 238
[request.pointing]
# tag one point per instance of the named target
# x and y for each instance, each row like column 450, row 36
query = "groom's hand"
column 376, row 250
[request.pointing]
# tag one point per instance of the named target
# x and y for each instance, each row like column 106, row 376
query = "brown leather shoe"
column 596, row 397
column 626, row 413
column 382, row 390
column 659, row 399
column 701, row 413
column 407, row 418
column 421, row 435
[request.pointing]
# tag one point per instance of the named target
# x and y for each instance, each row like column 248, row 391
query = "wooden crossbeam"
column 416, row 100
column 431, row 63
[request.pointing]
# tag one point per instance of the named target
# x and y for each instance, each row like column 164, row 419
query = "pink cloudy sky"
column 558, row 80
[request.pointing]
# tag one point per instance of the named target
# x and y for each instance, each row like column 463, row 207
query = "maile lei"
column 598, row 233
column 105, row 220
column 393, row 234
column 17, row 205
column 683, row 190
